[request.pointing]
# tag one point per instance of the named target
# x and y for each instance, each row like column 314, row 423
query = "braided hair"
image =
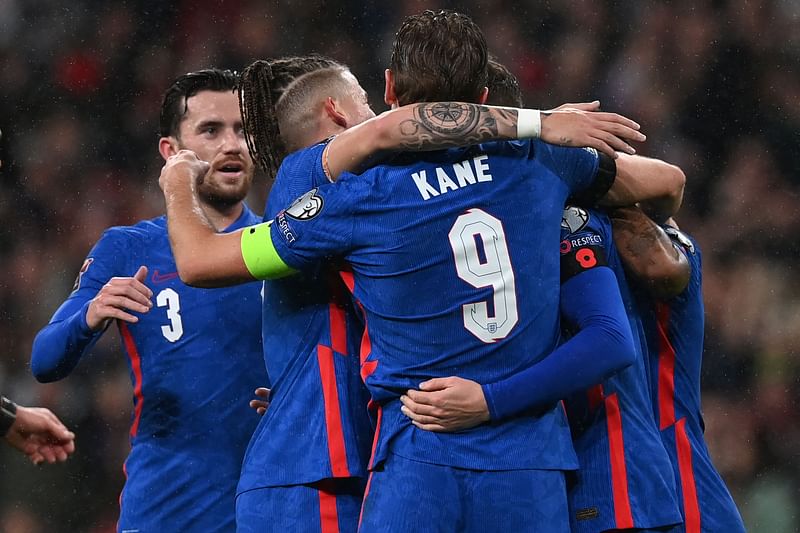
column 262, row 85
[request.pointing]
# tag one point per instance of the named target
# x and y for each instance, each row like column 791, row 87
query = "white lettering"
column 482, row 168
column 421, row 181
column 445, row 183
column 464, row 173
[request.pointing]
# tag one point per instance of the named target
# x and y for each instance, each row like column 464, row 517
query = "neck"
column 220, row 214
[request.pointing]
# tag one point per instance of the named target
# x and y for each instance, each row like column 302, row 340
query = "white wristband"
column 529, row 124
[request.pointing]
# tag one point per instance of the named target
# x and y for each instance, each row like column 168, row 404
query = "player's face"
column 212, row 128
column 356, row 105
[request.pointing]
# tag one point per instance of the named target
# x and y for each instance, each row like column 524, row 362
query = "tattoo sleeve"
column 648, row 252
column 448, row 124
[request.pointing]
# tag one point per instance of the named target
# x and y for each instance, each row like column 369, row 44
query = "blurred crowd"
column 715, row 85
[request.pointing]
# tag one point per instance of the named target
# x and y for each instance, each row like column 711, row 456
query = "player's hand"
column 181, row 168
column 261, row 405
column 40, row 435
column 117, row 298
column 446, row 404
column 582, row 124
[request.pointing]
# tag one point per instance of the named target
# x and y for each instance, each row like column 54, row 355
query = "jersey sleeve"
column 320, row 224
column 300, row 172
column 591, row 304
column 588, row 174
column 59, row 346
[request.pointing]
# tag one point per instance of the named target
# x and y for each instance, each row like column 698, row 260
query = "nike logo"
column 161, row 278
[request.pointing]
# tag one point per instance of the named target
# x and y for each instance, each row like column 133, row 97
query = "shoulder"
column 301, row 158
column 576, row 219
column 141, row 230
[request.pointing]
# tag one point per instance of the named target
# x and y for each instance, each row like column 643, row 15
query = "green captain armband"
column 259, row 254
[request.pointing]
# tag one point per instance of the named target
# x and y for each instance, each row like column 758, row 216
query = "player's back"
column 455, row 264
column 615, row 436
column 311, row 336
column 675, row 329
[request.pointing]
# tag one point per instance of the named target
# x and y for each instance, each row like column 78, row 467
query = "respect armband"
column 577, row 259
column 259, row 253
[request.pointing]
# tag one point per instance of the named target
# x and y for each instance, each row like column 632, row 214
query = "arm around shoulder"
column 655, row 183
column 649, row 254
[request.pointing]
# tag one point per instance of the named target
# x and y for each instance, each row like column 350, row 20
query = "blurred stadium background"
column 715, row 85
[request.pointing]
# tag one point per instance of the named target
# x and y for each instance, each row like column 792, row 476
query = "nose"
column 233, row 141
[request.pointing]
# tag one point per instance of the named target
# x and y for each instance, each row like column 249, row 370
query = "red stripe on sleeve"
column 328, row 514
column 333, row 416
column 666, row 369
column 619, row 472
column 136, row 366
column 338, row 329
column 691, row 507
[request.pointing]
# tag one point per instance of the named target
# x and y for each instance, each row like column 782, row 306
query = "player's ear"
column 389, row 96
column 334, row 114
column 483, row 96
column 167, row 146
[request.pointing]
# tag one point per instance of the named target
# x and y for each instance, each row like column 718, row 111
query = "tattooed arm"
column 648, row 253
column 434, row 126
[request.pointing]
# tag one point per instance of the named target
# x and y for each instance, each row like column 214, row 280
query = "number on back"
column 482, row 260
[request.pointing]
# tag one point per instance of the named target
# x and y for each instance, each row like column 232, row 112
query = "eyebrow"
column 207, row 123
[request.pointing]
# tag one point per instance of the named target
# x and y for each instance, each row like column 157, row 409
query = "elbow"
column 622, row 348
column 666, row 276
column 194, row 272
column 43, row 372
column 191, row 274
column 674, row 198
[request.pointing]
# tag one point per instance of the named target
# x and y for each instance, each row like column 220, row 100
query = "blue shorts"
column 405, row 495
column 328, row 506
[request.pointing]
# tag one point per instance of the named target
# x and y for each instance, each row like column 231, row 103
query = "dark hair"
column 438, row 56
column 173, row 107
column 263, row 83
column 503, row 85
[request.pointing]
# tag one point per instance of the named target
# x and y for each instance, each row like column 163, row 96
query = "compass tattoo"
column 446, row 124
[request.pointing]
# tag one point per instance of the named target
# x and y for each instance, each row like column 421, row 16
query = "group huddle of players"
column 474, row 318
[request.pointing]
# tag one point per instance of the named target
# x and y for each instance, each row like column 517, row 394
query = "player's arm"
column 655, row 184
column 603, row 345
column 434, row 126
column 649, row 254
column 204, row 257
column 83, row 317
column 36, row 432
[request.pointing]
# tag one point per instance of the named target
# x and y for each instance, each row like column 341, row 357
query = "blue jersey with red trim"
column 317, row 425
column 674, row 331
column 625, row 478
column 195, row 359
column 446, row 249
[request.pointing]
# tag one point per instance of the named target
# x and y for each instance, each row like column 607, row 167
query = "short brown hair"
column 503, row 85
column 439, row 56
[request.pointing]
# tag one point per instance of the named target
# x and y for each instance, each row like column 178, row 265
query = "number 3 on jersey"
column 482, row 260
column 169, row 298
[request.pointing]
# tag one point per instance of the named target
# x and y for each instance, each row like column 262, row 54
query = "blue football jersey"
column 317, row 425
column 195, row 359
column 455, row 263
column 674, row 331
column 625, row 478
